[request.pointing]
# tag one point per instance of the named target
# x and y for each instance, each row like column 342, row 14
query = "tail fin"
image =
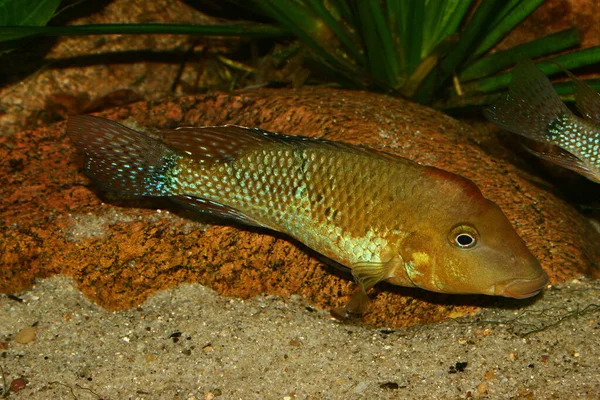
column 530, row 106
column 120, row 159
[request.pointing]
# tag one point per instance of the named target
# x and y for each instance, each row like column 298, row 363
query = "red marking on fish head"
column 465, row 185
column 494, row 260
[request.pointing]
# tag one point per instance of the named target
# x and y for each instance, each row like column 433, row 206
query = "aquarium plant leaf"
column 421, row 49
column 415, row 34
column 573, row 60
column 234, row 29
column 482, row 17
column 566, row 91
column 296, row 17
column 518, row 10
column 442, row 19
column 397, row 19
column 335, row 24
column 495, row 62
column 381, row 57
column 25, row 12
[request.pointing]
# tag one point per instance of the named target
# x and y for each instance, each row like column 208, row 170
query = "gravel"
column 191, row 343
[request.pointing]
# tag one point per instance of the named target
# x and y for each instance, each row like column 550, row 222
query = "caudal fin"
column 530, row 106
column 120, row 159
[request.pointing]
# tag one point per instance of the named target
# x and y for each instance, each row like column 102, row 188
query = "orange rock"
column 119, row 253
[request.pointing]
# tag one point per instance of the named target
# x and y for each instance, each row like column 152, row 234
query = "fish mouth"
column 522, row 288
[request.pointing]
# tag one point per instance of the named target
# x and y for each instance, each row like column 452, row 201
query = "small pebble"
column 360, row 388
column 482, row 388
column 26, row 335
column 18, row 385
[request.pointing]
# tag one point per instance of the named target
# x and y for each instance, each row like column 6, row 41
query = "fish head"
column 468, row 246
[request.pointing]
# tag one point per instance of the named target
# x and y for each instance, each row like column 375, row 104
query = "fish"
column 533, row 109
column 383, row 217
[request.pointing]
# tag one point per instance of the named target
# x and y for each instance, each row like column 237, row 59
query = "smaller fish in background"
column 533, row 109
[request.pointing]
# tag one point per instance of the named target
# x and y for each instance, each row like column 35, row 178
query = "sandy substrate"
column 190, row 343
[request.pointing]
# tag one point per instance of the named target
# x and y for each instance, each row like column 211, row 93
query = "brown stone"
column 53, row 222
column 26, row 335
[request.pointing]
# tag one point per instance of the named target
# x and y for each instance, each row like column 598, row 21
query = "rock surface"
column 53, row 222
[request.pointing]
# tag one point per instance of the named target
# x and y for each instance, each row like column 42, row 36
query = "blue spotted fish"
column 383, row 217
column 533, row 109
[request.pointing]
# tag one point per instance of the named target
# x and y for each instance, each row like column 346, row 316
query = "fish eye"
column 464, row 237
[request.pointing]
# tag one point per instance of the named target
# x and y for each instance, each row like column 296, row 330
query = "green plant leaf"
column 380, row 50
column 442, row 19
column 25, row 13
column 483, row 16
column 409, row 47
column 298, row 19
column 512, row 14
column 566, row 90
column 570, row 61
column 234, row 29
column 495, row 62
column 318, row 6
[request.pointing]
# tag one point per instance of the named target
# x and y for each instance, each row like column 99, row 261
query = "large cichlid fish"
column 384, row 217
column 533, row 109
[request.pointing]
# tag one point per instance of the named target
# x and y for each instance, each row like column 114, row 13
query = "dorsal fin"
column 530, row 105
column 228, row 142
column 586, row 98
column 224, row 142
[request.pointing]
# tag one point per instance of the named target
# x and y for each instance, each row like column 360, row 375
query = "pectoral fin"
column 368, row 274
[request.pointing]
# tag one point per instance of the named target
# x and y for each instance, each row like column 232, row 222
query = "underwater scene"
column 281, row 199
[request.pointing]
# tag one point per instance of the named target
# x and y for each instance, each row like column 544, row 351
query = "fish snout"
column 522, row 288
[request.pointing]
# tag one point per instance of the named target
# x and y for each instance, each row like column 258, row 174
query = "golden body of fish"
column 384, row 217
column 533, row 109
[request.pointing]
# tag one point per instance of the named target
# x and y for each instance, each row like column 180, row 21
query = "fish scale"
column 384, row 217
column 577, row 137
column 289, row 198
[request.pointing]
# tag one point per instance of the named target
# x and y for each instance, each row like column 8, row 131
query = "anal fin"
column 205, row 206
column 567, row 160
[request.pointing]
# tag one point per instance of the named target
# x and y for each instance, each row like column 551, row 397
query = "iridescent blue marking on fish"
column 533, row 109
